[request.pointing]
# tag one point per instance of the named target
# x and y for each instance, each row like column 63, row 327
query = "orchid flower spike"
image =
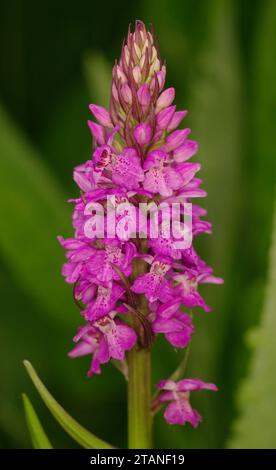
column 129, row 287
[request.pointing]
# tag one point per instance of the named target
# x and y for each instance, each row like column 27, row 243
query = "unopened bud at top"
column 137, row 80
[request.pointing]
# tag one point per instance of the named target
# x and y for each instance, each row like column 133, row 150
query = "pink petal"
column 165, row 99
column 188, row 385
column 168, row 309
column 71, row 243
column 165, row 396
column 161, row 75
column 71, row 271
column 176, row 120
column 166, row 384
column 117, row 70
column 187, row 171
column 97, row 132
column 176, row 139
column 142, row 134
column 173, row 414
column 164, row 117
column 101, row 114
column 143, row 95
column 154, row 158
column 177, row 413
column 126, row 93
column 101, row 356
column 121, row 338
column 179, row 339
column 83, row 178
column 81, row 349
column 185, row 151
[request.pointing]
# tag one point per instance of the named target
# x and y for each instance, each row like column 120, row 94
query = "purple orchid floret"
column 139, row 156
column 153, row 284
column 105, row 339
column 179, row 409
column 173, row 323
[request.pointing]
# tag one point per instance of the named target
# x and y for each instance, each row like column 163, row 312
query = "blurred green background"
column 55, row 59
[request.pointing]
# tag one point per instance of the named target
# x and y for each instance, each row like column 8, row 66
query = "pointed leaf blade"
column 38, row 436
column 255, row 427
column 81, row 435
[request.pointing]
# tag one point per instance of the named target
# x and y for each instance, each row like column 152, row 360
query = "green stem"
column 139, row 399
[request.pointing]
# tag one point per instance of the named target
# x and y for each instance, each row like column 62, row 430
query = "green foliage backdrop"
column 56, row 57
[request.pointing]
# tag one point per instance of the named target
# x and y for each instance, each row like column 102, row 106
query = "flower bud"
column 142, row 134
column 164, row 117
column 185, row 151
column 165, row 99
column 101, row 114
column 176, row 139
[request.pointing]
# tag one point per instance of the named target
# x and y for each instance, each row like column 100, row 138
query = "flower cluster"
column 130, row 289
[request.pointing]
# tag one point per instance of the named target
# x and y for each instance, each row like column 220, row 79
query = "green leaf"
column 262, row 149
column 181, row 369
column 81, row 435
column 33, row 211
column 38, row 436
column 255, row 427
